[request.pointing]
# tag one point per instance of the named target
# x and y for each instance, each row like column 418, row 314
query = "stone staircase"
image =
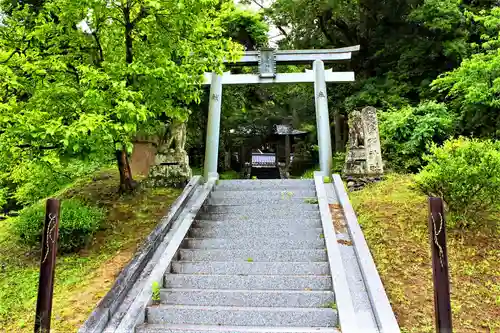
column 254, row 260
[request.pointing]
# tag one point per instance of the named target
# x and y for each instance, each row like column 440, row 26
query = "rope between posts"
column 48, row 236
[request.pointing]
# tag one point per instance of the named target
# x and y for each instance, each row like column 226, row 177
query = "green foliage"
column 4, row 194
column 77, row 76
column 311, row 201
column 407, row 133
column 465, row 173
column 309, row 174
column 246, row 27
column 77, row 225
column 156, row 291
column 474, row 90
column 338, row 162
column 327, row 180
column 39, row 179
column 230, row 174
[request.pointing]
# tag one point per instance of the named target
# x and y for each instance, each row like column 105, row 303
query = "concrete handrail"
column 109, row 304
column 347, row 316
column 378, row 298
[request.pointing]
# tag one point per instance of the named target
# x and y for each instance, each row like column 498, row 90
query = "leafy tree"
column 407, row 134
column 473, row 89
column 77, row 77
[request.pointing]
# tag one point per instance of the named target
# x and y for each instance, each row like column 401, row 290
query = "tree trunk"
column 227, row 159
column 127, row 183
column 345, row 128
column 338, row 119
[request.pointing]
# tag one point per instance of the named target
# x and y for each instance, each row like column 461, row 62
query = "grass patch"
column 394, row 222
column 311, row 201
column 230, row 174
column 82, row 279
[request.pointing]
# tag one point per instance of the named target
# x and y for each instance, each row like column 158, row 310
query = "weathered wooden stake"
column 437, row 230
column 47, row 267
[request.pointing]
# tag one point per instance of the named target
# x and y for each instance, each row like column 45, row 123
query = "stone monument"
column 171, row 166
column 364, row 156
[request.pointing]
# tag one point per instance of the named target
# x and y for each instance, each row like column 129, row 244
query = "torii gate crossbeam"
column 266, row 60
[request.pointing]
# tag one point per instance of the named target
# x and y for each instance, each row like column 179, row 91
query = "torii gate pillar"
column 213, row 129
column 322, row 118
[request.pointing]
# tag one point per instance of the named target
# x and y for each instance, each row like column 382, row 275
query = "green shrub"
column 309, row 174
column 77, row 225
column 407, row 133
column 230, row 174
column 466, row 174
column 338, row 162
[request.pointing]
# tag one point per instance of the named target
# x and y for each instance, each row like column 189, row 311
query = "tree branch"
column 116, row 19
column 324, row 30
column 142, row 14
column 17, row 50
column 258, row 4
column 99, row 47
column 38, row 147
column 75, row 72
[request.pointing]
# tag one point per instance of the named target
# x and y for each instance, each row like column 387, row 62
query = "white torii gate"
column 266, row 60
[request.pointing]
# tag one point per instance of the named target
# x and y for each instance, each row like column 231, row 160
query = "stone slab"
column 311, row 234
column 255, row 255
column 172, row 328
column 259, row 215
column 250, row 268
column 253, row 298
column 286, row 208
column 244, row 316
column 249, row 282
column 254, row 243
column 283, row 223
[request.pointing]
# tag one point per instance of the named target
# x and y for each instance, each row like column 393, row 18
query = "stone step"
column 249, row 282
column 286, row 209
column 254, row 298
column 269, row 194
column 312, row 234
column 261, row 200
column 258, row 214
column 241, row 316
column 256, row 227
column 284, row 223
column 173, row 328
column 250, row 268
column 252, row 255
column 268, row 184
column 253, row 243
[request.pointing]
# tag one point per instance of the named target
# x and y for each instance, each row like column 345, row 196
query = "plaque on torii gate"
column 266, row 60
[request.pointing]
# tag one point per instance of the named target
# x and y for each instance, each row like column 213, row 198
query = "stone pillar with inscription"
column 213, row 128
column 364, row 156
column 372, row 141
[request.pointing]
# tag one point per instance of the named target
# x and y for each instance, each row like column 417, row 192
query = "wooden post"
column 47, row 267
column 437, row 230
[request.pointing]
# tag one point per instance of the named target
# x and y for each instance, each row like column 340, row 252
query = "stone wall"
column 142, row 158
